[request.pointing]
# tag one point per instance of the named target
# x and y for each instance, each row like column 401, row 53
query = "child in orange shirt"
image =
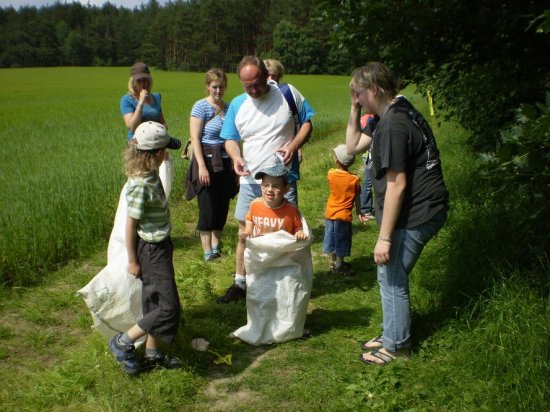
column 272, row 212
column 344, row 194
column 279, row 270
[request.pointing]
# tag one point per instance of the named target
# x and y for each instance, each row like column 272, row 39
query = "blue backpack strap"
column 287, row 93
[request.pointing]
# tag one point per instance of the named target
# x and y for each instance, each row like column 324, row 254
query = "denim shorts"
column 337, row 237
column 247, row 193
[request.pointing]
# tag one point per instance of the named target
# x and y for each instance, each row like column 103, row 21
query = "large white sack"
column 279, row 276
column 114, row 299
column 112, row 296
column 117, row 246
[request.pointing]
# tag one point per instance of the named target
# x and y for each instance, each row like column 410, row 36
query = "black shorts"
column 160, row 299
column 214, row 199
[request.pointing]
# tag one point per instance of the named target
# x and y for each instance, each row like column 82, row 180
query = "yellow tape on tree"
column 431, row 103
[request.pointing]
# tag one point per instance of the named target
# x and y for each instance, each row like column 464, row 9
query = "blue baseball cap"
column 276, row 170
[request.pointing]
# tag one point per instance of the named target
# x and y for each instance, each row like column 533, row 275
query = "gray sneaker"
column 125, row 355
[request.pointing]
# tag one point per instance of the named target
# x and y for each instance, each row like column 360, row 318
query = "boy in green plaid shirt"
column 150, row 250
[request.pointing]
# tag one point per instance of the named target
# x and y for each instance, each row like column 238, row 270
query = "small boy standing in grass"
column 150, row 250
column 344, row 194
column 278, row 264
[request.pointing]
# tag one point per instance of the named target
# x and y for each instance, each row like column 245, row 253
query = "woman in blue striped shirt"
column 211, row 176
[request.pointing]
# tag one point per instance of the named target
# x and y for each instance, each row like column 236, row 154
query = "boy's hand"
column 134, row 269
column 300, row 235
column 243, row 236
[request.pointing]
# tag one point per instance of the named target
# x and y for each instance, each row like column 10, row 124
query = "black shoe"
column 343, row 270
column 234, row 293
column 162, row 360
column 213, row 257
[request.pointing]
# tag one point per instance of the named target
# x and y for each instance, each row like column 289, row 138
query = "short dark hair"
column 253, row 61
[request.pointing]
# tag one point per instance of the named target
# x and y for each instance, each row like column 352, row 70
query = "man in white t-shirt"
column 262, row 119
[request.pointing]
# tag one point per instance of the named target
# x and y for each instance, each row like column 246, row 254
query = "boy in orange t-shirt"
column 272, row 212
column 344, row 194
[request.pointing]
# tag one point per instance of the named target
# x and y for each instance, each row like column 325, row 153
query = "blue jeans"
column 247, row 193
column 292, row 194
column 366, row 193
column 393, row 278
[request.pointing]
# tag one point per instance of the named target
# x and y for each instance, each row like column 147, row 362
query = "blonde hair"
column 215, row 74
column 138, row 162
column 132, row 87
column 275, row 68
column 376, row 74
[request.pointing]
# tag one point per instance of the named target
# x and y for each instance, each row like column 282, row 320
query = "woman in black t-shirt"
column 411, row 197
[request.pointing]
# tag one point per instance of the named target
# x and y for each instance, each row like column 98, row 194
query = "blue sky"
column 37, row 3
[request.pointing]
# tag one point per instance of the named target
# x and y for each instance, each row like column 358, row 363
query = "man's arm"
column 299, row 140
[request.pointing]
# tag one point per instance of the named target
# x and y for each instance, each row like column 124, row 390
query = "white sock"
column 240, row 281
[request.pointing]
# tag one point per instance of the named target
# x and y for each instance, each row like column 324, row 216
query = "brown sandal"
column 374, row 343
column 384, row 358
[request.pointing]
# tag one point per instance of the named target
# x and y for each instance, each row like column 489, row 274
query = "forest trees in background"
column 188, row 35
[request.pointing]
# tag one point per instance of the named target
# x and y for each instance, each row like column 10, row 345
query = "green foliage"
column 296, row 46
column 481, row 59
column 519, row 170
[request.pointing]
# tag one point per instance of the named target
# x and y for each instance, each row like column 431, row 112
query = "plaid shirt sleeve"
column 135, row 196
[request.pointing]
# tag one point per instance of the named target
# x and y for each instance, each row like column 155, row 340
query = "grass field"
column 62, row 145
column 480, row 334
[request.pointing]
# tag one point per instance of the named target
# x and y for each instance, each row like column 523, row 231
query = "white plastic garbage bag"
column 279, row 276
column 113, row 296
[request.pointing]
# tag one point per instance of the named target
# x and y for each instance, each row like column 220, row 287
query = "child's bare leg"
column 135, row 332
column 206, row 240
column 239, row 253
column 216, row 237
